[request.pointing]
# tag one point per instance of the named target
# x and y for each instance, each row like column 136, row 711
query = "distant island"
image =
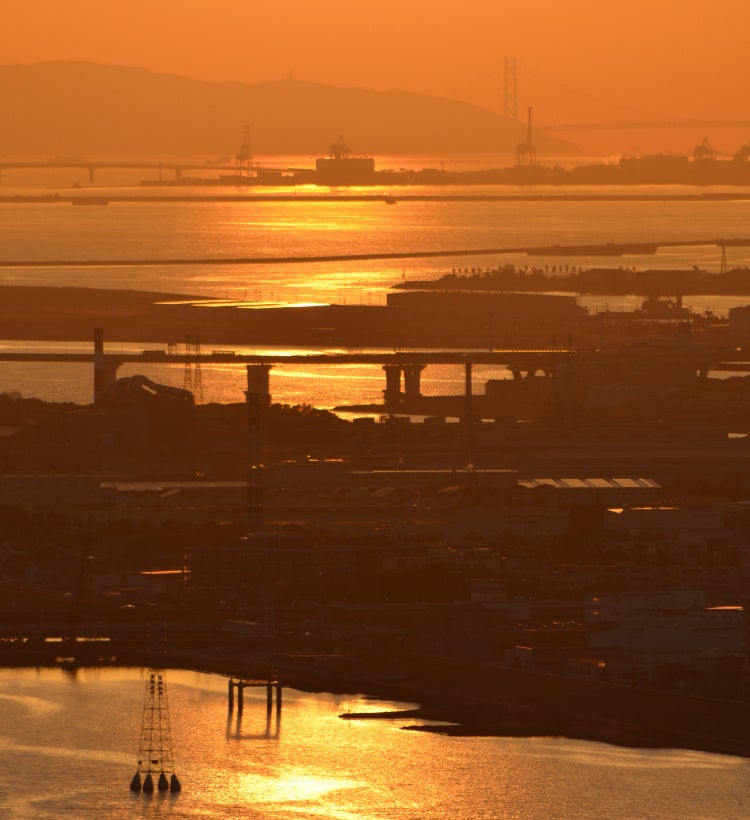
column 564, row 278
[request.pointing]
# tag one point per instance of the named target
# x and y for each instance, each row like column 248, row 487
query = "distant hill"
column 63, row 108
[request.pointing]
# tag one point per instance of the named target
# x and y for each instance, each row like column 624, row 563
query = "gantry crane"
column 526, row 152
column 704, row 151
column 244, row 157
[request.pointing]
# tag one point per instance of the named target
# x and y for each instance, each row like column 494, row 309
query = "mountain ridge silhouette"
column 74, row 107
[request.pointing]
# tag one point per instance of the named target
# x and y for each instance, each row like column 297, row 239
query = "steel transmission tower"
column 155, row 757
column 192, row 379
column 510, row 106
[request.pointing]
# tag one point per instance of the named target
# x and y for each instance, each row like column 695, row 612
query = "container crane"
column 526, row 152
column 244, row 157
column 704, row 151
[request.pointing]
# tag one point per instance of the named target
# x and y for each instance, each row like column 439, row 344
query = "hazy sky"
column 578, row 60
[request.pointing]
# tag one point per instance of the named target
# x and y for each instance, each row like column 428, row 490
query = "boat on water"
column 89, row 200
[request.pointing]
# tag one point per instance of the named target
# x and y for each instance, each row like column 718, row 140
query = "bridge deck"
column 505, row 356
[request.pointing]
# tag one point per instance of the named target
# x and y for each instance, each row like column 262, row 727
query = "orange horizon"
column 623, row 62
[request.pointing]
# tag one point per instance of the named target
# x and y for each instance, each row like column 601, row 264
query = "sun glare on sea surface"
column 292, row 786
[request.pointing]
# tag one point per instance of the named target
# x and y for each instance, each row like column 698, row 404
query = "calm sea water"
column 155, row 230
column 69, row 744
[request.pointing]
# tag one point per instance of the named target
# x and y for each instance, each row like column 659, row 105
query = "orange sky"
column 578, row 61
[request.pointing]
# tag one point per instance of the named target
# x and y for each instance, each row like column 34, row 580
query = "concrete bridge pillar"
column 178, row 173
column 412, row 374
column 92, row 173
column 105, row 372
column 392, row 392
column 259, row 382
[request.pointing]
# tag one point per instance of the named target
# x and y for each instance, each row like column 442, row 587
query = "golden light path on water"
column 279, row 229
column 237, row 229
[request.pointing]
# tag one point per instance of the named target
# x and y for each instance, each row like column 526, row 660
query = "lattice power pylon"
column 155, row 756
column 192, row 377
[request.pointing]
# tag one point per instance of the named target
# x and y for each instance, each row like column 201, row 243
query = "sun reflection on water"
column 291, row 786
column 321, row 766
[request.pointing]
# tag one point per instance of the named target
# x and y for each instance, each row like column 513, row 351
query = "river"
column 69, row 743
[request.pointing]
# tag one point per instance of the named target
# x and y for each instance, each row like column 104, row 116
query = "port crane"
column 526, row 152
column 339, row 149
column 704, row 151
column 244, row 157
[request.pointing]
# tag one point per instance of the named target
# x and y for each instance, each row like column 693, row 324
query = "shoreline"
column 473, row 699
column 69, row 314
column 476, row 699
column 444, row 718
column 55, row 314
column 501, row 707
column 386, row 197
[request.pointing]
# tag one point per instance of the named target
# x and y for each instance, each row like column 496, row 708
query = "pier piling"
column 271, row 684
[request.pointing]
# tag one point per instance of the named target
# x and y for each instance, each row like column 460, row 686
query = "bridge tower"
column 155, row 756
column 510, row 97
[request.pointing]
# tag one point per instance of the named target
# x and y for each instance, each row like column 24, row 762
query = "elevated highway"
column 92, row 166
column 509, row 356
column 398, row 365
column 521, row 362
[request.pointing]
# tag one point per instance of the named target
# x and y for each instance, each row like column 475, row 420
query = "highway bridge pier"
column 403, row 370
